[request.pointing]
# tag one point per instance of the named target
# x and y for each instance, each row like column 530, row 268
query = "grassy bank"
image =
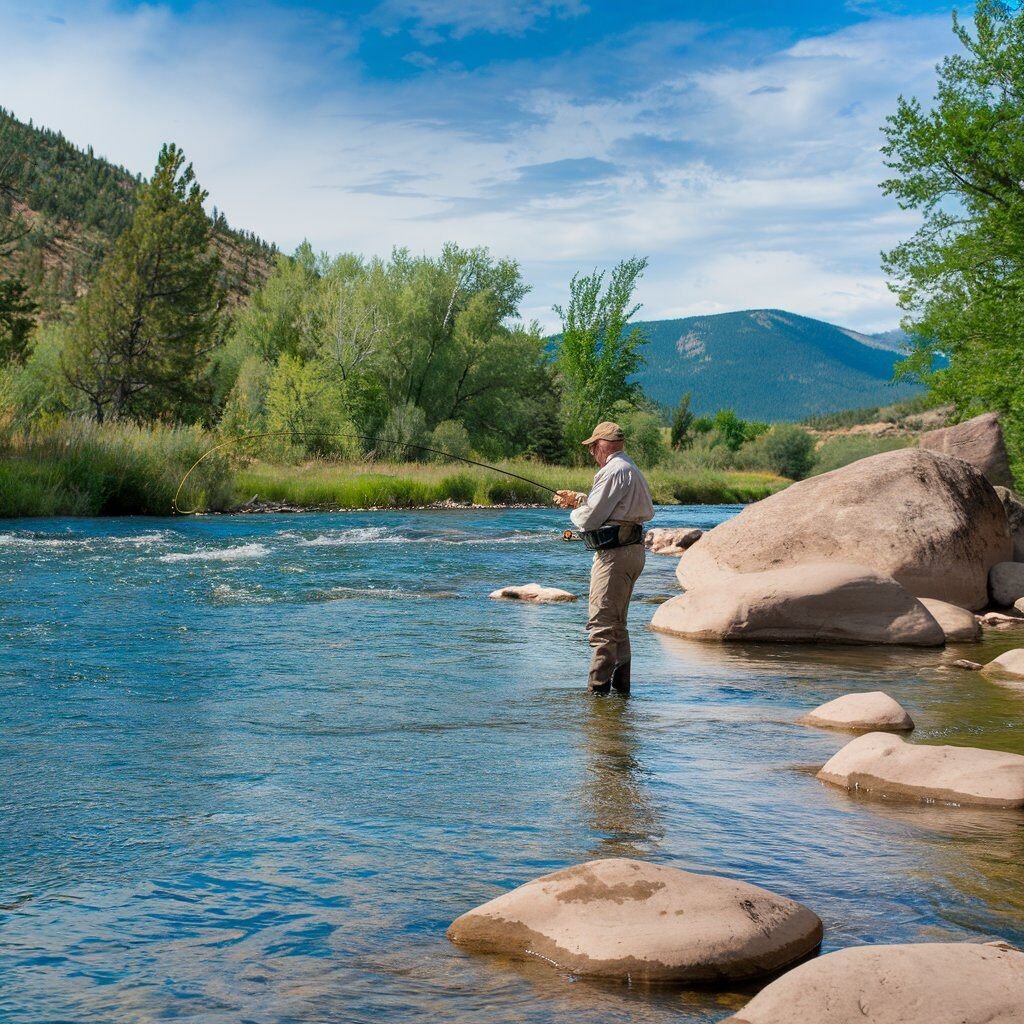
column 79, row 468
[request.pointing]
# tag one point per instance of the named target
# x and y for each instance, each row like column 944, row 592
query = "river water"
column 252, row 768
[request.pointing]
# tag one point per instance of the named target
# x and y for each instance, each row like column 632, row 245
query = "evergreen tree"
column 682, row 423
column 141, row 336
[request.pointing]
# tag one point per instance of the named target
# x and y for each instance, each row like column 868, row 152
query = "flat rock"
column 534, row 593
column 889, row 766
column 978, row 441
column 932, row 522
column 958, row 624
column 998, row 620
column 1014, row 508
column 1009, row 665
column 663, row 540
column 1006, row 583
column 628, row 919
column 861, row 712
column 830, row 602
column 918, row 983
column 968, row 666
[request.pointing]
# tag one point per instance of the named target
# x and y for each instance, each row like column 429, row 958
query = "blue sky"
column 736, row 145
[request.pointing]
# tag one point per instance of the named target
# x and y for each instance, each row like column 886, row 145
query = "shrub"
column 452, row 437
column 785, row 449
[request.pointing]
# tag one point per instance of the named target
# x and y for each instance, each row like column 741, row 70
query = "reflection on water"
column 253, row 768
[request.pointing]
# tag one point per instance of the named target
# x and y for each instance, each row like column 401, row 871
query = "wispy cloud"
column 744, row 164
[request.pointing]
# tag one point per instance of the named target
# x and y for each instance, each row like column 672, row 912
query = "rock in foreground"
column 861, row 712
column 669, row 541
column 920, row 983
column 958, row 624
column 828, row 602
column 622, row 918
column 534, row 593
column 932, row 522
column 888, row 766
column 978, row 441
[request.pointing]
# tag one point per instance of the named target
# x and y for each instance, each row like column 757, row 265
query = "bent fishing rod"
column 355, row 437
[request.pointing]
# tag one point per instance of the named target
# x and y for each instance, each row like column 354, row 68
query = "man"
column 611, row 518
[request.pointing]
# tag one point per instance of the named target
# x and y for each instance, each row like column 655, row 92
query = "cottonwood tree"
column 960, row 278
column 142, row 335
column 595, row 355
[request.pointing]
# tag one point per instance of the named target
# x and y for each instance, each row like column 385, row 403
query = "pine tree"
column 141, row 336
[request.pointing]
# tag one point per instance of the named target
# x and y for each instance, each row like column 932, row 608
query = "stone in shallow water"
column 918, row 983
column 621, row 918
column 824, row 602
column 957, row 623
column 671, row 540
column 534, row 593
column 889, row 766
column 860, row 712
column 1009, row 665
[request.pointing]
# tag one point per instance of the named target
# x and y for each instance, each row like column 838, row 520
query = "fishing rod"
column 357, row 437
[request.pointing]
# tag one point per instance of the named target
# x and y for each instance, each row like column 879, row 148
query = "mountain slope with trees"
column 767, row 364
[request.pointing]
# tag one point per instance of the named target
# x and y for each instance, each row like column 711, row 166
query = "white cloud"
column 746, row 183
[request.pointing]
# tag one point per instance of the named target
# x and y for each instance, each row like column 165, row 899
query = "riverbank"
column 84, row 470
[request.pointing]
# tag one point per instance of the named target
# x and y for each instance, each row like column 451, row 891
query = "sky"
column 734, row 144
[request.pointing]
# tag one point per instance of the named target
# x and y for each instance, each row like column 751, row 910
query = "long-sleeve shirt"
column 619, row 495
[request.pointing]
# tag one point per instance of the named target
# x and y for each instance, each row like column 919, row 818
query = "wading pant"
column 611, row 585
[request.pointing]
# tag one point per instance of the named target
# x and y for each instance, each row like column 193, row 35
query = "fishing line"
column 357, row 437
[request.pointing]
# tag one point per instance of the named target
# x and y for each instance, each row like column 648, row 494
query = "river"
column 253, row 767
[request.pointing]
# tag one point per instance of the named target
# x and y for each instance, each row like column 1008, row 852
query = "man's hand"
column 569, row 499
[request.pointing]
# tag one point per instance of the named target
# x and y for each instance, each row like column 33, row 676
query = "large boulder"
column 919, row 983
column 861, row 712
column 889, row 766
column 1014, row 509
column 978, row 441
column 932, row 522
column 1006, row 583
column 533, row 593
column 830, row 602
column 957, row 623
column 663, row 540
column 621, row 918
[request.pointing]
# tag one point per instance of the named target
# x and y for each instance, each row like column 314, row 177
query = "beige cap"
column 606, row 431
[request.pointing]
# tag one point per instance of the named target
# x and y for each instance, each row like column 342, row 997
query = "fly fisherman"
column 611, row 519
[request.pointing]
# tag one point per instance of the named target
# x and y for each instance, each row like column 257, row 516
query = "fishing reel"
column 568, row 535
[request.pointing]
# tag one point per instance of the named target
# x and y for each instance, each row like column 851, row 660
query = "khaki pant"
column 611, row 585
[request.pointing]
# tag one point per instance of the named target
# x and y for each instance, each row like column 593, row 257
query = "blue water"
column 254, row 766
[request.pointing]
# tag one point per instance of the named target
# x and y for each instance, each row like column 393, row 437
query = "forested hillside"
column 767, row 365
column 68, row 206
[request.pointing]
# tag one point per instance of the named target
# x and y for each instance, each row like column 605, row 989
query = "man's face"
column 600, row 449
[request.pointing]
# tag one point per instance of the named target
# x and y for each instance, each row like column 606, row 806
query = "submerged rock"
column 978, row 441
column 621, row 918
column 957, row 623
column 534, row 593
column 670, row 541
column 861, row 712
column 889, row 766
column 1006, row 583
column 916, row 983
column 930, row 521
column 969, row 666
column 828, row 602
column 1009, row 665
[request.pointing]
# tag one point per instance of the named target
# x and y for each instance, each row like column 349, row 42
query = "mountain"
column 768, row 364
column 66, row 207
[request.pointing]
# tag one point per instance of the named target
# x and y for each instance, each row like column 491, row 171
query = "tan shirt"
column 620, row 495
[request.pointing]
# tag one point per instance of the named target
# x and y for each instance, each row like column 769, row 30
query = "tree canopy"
column 960, row 278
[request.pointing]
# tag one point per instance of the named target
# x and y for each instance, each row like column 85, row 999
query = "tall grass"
column 81, row 468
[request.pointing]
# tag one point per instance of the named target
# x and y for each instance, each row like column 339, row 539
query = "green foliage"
column 595, row 356
column 837, row 452
column 142, row 334
column 960, row 278
column 16, row 320
column 39, row 388
column 731, row 429
column 682, row 423
column 452, row 437
column 898, row 413
column 406, row 426
column 245, row 411
column 644, row 434
column 786, row 450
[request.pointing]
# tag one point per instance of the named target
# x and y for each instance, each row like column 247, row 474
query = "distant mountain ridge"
column 769, row 364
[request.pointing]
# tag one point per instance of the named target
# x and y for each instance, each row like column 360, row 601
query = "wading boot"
column 620, row 678
column 599, row 687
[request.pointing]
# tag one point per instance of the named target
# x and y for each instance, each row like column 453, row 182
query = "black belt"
column 606, row 537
